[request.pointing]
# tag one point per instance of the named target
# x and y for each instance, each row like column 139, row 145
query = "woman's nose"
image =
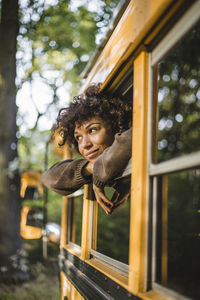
column 86, row 142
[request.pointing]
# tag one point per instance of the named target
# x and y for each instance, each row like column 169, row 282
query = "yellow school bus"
column 31, row 222
column 33, row 219
column 150, row 247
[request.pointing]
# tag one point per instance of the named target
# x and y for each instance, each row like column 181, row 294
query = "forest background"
column 45, row 47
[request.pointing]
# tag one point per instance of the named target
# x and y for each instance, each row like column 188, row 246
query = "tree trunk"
column 9, row 180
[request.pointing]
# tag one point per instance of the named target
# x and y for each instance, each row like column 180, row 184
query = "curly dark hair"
column 116, row 112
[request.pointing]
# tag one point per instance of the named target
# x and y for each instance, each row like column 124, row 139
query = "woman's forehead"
column 90, row 121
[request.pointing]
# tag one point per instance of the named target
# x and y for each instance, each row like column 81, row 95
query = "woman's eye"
column 94, row 129
column 78, row 137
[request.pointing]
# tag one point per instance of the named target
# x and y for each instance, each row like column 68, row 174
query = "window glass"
column 113, row 231
column 35, row 217
column 32, row 193
column 78, row 219
column 182, row 267
column 179, row 98
column 126, row 87
column 69, row 219
column 74, row 226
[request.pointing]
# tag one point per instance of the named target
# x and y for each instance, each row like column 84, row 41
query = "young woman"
column 98, row 126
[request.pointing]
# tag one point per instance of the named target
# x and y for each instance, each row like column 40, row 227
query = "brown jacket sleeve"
column 65, row 177
column 112, row 162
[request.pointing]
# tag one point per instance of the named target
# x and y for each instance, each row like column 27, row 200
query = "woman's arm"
column 112, row 162
column 67, row 176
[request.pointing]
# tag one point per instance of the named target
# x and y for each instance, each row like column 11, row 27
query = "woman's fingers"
column 102, row 199
column 103, row 205
column 121, row 202
column 108, row 206
column 115, row 197
column 105, row 199
column 105, row 208
column 101, row 195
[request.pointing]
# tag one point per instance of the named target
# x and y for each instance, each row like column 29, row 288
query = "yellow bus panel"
column 26, row 231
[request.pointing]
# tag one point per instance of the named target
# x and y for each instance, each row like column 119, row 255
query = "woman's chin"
column 92, row 159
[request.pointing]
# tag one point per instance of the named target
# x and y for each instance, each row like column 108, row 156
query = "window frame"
column 71, row 221
column 113, row 263
column 109, row 261
column 160, row 171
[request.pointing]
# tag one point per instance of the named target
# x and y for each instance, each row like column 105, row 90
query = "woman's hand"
column 119, row 199
column 103, row 200
column 109, row 206
column 121, row 194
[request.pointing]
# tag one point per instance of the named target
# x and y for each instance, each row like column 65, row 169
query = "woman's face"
column 93, row 137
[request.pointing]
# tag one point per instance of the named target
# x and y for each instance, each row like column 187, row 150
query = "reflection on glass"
column 179, row 98
column 75, row 208
column 113, row 231
column 35, row 217
column 32, row 193
column 183, row 231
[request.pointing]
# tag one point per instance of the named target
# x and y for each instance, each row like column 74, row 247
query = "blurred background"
column 45, row 47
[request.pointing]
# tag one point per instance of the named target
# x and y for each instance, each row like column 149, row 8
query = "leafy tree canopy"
column 56, row 40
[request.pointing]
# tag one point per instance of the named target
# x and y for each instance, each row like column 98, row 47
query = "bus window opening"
column 179, row 99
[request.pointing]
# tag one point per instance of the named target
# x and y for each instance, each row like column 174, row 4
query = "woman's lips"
column 92, row 154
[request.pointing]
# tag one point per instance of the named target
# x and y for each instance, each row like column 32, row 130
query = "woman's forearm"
column 112, row 162
column 66, row 177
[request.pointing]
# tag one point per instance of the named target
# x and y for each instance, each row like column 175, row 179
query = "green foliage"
column 60, row 41
column 61, row 38
column 40, row 288
column 78, row 219
column 32, row 150
column 183, row 232
column 113, row 233
column 34, row 203
column 184, row 219
column 54, row 207
column 54, row 45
